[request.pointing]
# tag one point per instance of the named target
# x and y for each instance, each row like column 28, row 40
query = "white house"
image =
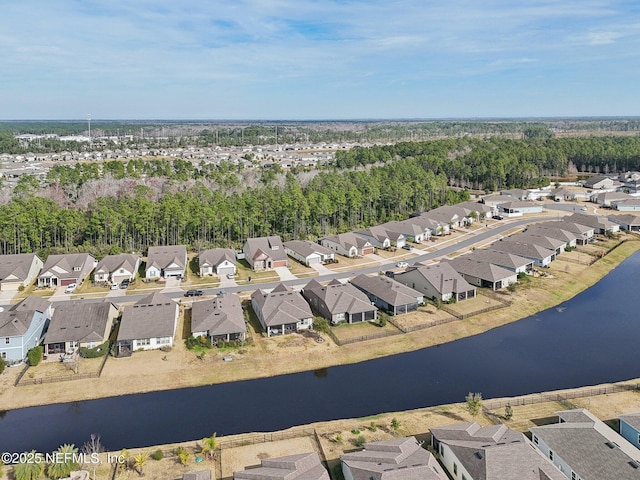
column 18, row 270
column 308, row 253
column 217, row 261
column 116, row 268
column 348, row 245
column 167, row 261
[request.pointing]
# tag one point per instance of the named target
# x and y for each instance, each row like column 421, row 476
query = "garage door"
column 224, row 271
column 313, row 260
column 10, row 286
column 68, row 281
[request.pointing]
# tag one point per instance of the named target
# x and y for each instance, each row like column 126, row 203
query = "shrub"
column 360, row 441
column 157, row 455
column 35, row 355
column 3, row 364
column 95, row 352
column 21, row 288
column 320, row 324
column 382, row 319
column 373, row 427
column 508, row 412
column 355, row 431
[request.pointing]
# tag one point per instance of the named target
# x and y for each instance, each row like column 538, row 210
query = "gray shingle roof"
column 62, row 266
column 528, row 250
column 632, row 419
column 592, row 449
column 552, row 232
column 306, row 248
column 271, row 246
column 628, row 219
column 348, row 240
column 282, row 306
column 221, row 316
column 162, row 257
column 496, row 453
column 535, row 239
column 399, row 458
column 17, row 265
column 111, row 263
column 153, row 316
column 339, row 297
column 483, row 270
column 387, row 289
column 305, row 466
column 502, row 259
column 593, row 221
column 215, row 256
column 16, row 320
column 79, row 321
column 443, row 278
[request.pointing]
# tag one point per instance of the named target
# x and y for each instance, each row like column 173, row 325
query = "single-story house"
column 79, row 324
column 513, row 263
column 567, row 236
column 116, row 268
column 545, row 241
column 148, row 324
column 393, row 459
column 582, row 446
column 628, row 205
column 63, row 270
column 431, row 225
column 483, row 274
column 220, row 319
column 469, row 451
column 309, row 253
column 454, row 217
column 541, row 256
column 559, row 194
column 628, row 222
column 339, row 302
column 165, row 262
column 599, row 182
column 22, row 327
column 305, row 466
column 517, row 193
column 380, row 237
column 439, row 281
column 265, row 253
column 282, row 310
column 599, row 224
column 630, row 428
column 480, row 209
column 606, row 199
column 388, row 294
column 519, row 208
column 494, row 201
column 18, row 270
column 217, row 261
column 583, row 233
column 348, row 245
column 411, row 230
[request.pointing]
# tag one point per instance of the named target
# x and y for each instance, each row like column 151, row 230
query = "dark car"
column 497, row 217
column 193, row 293
column 124, row 284
column 406, row 246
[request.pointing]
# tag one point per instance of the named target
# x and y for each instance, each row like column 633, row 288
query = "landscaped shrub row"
column 95, row 352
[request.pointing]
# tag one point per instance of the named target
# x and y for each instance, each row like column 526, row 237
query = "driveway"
column 227, row 282
column 377, row 258
column 6, row 296
column 285, row 274
column 321, row 269
column 172, row 284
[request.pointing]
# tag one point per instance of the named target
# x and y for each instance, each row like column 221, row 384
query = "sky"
column 318, row 59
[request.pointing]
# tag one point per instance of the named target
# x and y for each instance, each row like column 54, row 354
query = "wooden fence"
column 364, row 338
column 21, row 381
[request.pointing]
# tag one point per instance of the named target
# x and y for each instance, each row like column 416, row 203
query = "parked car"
column 194, row 293
column 70, row 288
column 389, row 273
column 230, row 275
column 402, row 264
column 497, row 217
column 113, row 286
column 406, row 246
column 124, row 284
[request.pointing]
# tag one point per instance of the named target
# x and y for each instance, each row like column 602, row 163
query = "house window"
column 455, row 468
column 142, row 342
column 441, row 451
column 550, row 454
column 163, row 341
column 535, row 440
column 573, row 475
column 7, row 341
column 3, row 355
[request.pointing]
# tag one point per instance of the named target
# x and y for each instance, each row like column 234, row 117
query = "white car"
column 402, row 264
column 70, row 288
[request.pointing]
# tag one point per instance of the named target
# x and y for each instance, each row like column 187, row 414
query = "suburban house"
column 559, row 194
column 583, row 233
column 628, row 222
column 380, row 237
column 63, row 270
column 217, row 261
column 79, row 324
column 116, row 268
column 305, row 466
column 148, row 324
column 599, row 224
column 348, row 245
column 519, row 208
column 265, row 253
column 494, row 201
column 471, row 452
column 628, row 205
column 439, row 281
column 599, row 182
column 513, row 263
column 567, row 236
column 584, row 447
column 557, row 246
column 517, row 193
column 309, row 253
column 411, row 230
column 390, row 460
column 605, row 199
column 630, row 428
column 480, row 209
column 389, row 295
column 541, row 256
column 22, row 327
column 220, row 319
column 18, row 270
column 483, row 274
column 339, row 302
column 454, row 217
column 430, row 225
column 166, row 262
column 282, row 310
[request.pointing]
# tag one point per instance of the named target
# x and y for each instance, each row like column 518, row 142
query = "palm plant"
column 139, row 462
column 209, row 445
column 65, row 462
column 28, row 470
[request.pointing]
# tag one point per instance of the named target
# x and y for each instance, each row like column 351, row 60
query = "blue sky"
column 305, row 59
